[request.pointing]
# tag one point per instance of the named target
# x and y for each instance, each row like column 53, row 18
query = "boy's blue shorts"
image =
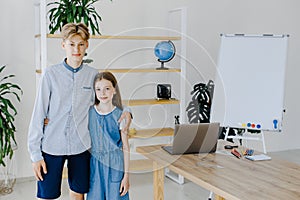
column 78, row 174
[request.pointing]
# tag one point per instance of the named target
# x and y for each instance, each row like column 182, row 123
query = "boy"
column 64, row 97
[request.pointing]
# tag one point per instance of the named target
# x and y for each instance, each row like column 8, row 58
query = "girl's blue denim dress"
column 107, row 160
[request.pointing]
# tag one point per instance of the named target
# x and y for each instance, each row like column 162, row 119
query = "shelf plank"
column 155, row 132
column 139, row 70
column 140, row 102
column 128, row 70
column 140, row 165
column 120, row 37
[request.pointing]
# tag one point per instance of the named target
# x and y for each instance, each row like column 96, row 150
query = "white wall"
column 17, row 52
column 205, row 21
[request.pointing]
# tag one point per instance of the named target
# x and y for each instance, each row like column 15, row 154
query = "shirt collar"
column 71, row 68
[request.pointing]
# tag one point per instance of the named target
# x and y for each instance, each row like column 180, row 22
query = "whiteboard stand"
column 260, row 137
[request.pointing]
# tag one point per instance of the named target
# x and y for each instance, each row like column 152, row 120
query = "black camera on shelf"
column 164, row 91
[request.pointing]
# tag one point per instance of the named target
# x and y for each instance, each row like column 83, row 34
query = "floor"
column 141, row 185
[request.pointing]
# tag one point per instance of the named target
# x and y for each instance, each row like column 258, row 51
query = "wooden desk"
column 227, row 176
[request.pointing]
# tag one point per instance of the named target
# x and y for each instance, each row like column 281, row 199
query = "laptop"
column 194, row 138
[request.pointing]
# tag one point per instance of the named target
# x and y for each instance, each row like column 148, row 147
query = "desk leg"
column 217, row 197
column 158, row 181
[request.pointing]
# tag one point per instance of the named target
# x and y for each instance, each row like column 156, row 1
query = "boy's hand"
column 37, row 169
column 46, row 121
column 127, row 117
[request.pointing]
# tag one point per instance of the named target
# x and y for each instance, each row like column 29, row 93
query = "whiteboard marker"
column 275, row 123
column 268, row 35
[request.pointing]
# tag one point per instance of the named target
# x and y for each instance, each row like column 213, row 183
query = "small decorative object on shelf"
column 177, row 119
column 164, row 51
column 163, row 91
column 87, row 60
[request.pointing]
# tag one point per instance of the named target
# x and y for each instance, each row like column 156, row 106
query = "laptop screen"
column 195, row 138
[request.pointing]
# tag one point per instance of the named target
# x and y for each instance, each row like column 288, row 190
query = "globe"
column 164, row 51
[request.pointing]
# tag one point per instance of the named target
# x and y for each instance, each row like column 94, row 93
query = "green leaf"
column 79, row 11
column 2, row 68
column 86, row 19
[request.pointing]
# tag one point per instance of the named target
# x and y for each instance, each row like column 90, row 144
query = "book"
column 258, row 157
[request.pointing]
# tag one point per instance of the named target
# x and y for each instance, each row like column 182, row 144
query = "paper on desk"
column 258, row 157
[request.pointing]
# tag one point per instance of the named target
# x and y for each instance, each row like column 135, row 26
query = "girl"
column 109, row 178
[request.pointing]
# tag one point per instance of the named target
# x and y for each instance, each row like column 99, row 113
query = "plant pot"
column 7, row 182
column 8, row 175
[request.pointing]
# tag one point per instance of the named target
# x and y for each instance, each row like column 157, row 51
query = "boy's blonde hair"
column 71, row 29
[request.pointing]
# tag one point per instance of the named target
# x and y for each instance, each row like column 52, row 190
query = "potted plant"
column 67, row 11
column 8, row 142
column 198, row 110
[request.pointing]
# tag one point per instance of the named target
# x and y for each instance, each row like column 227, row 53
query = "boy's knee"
column 76, row 196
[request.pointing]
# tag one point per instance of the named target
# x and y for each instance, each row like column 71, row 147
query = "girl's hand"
column 124, row 185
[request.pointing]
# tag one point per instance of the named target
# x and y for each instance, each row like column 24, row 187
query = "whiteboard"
column 249, row 83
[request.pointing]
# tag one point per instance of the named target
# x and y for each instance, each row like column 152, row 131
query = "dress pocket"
column 116, row 175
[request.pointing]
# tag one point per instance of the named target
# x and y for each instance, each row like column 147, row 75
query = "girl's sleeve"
column 127, row 109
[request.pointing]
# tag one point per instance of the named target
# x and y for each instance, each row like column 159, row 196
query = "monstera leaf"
column 198, row 110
